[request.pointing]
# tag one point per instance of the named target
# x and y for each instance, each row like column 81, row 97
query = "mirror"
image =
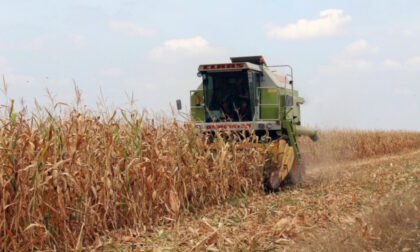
column 178, row 104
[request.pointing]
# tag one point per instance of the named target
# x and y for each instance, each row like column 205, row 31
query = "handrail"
column 291, row 75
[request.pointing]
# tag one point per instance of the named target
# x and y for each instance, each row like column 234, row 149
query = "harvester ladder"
column 288, row 125
column 292, row 136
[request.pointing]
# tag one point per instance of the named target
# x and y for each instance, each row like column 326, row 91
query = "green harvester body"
column 246, row 94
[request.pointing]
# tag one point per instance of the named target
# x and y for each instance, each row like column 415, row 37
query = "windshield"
column 227, row 96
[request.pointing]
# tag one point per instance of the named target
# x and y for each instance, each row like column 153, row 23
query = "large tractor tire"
column 296, row 174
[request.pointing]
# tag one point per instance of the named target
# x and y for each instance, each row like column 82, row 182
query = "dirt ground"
column 367, row 205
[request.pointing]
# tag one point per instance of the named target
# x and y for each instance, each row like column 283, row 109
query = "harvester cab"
column 247, row 94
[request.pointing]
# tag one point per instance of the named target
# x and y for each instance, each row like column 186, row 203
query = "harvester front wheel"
column 296, row 174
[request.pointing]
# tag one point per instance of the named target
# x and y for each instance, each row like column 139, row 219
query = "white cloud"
column 361, row 46
column 352, row 64
column 407, row 33
column 79, row 41
column 328, row 23
column 413, row 64
column 409, row 65
column 403, row 91
column 111, row 72
column 353, row 58
column 33, row 45
column 390, row 64
column 130, row 28
column 54, row 56
column 411, row 33
column 189, row 47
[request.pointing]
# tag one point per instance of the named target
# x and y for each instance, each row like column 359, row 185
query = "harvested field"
column 76, row 180
column 357, row 206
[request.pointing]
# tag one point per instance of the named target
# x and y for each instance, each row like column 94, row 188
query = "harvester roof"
column 237, row 64
column 257, row 60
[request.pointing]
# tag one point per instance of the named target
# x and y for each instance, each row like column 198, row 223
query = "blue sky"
column 357, row 63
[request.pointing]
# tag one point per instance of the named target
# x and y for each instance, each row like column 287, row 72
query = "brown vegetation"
column 368, row 205
column 68, row 178
column 338, row 145
column 393, row 226
column 64, row 182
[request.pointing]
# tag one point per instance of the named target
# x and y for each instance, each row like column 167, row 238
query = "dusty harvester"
column 246, row 94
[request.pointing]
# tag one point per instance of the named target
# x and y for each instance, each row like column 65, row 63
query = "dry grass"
column 392, row 226
column 67, row 178
column 369, row 207
column 337, row 145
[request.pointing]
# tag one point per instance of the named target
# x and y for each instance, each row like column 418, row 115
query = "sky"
column 356, row 63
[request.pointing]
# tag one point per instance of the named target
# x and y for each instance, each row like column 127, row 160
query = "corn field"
column 335, row 145
column 68, row 178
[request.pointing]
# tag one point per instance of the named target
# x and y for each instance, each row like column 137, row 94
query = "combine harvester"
column 248, row 95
